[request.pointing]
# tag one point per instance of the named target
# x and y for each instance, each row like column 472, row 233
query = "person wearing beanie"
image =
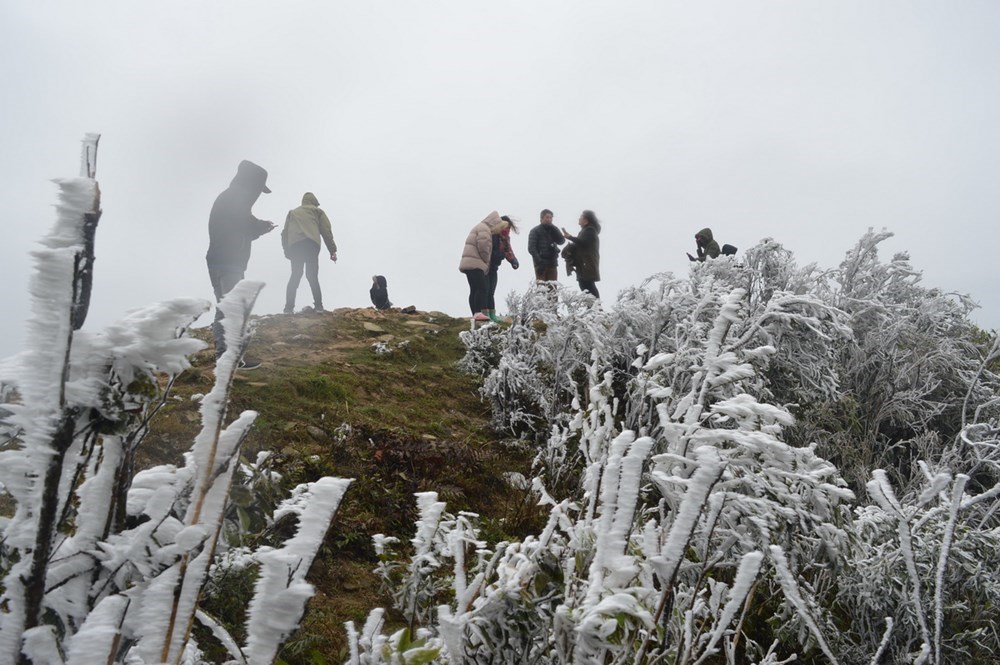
column 587, row 252
column 231, row 229
column 304, row 227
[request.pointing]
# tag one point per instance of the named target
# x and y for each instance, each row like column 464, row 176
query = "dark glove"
column 515, row 264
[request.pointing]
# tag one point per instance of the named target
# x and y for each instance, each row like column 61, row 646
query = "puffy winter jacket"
column 479, row 244
column 543, row 245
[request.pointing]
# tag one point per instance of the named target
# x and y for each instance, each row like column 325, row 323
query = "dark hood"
column 251, row 178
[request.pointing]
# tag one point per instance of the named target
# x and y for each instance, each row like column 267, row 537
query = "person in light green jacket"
column 305, row 226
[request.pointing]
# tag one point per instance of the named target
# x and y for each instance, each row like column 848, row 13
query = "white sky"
column 805, row 121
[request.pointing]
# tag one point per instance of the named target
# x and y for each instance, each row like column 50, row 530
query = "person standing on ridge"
column 543, row 245
column 501, row 250
column 231, row 229
column 587, row 252
column 475, row 263
column 300, row 239
column 708, row 248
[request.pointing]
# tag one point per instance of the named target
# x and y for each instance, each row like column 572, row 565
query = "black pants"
column 224, row 278
column 590, row 286
column 304, row 254
column 491, row 289
column 478, row 290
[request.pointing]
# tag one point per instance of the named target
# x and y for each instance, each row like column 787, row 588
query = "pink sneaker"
column 480, row 317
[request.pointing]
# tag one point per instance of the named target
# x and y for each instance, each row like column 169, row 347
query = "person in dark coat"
column 543, row 245
column 502, row 250
column 231, row 229
column 379, row 292
column 587, row 252
column 708, row 248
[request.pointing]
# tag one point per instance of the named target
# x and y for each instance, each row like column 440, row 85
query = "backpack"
column 728, row 250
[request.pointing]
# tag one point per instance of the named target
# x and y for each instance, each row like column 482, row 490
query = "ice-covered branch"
column 282, row 591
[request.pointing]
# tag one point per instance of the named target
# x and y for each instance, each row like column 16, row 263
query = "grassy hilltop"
column 399, row 422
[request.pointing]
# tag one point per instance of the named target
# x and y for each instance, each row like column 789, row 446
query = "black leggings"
column 478, row 290
column 304, row 254
column 491, row 290
column 590, row 286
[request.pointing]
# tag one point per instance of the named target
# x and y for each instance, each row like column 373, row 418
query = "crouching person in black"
column 379, row 292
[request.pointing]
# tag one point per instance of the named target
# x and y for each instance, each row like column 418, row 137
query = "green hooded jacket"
column 710, row 249
column 307, row 222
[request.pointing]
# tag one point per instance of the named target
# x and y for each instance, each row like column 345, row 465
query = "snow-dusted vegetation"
column 100, row 564
column 761, row 463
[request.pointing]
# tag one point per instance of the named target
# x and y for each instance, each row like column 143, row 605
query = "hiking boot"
column 493, row 317
column 288, row 310
column 480, row 317
column 248, row 363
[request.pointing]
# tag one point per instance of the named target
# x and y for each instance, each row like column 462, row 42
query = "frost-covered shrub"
column 871, row 362
column 99, row 563
column 924, row 559
column 532, row 369
column 692, row 516
column 631, row 570
column 911, row 369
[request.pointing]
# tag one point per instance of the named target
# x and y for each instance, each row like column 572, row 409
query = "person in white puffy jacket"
column 475, row 262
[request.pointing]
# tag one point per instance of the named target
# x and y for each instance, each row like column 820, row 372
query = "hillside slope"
column 398, row 422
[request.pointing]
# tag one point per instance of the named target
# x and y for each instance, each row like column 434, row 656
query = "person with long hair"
column 501, row 250
column 586, row 250
column 475, row 263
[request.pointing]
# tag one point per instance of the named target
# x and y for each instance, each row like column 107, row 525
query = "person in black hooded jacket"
column 231, row 229
column 379, row 292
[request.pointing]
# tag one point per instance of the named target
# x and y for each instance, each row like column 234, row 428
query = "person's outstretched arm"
column 327, row 234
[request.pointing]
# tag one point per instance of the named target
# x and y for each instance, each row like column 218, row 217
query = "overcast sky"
column 805, row 121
